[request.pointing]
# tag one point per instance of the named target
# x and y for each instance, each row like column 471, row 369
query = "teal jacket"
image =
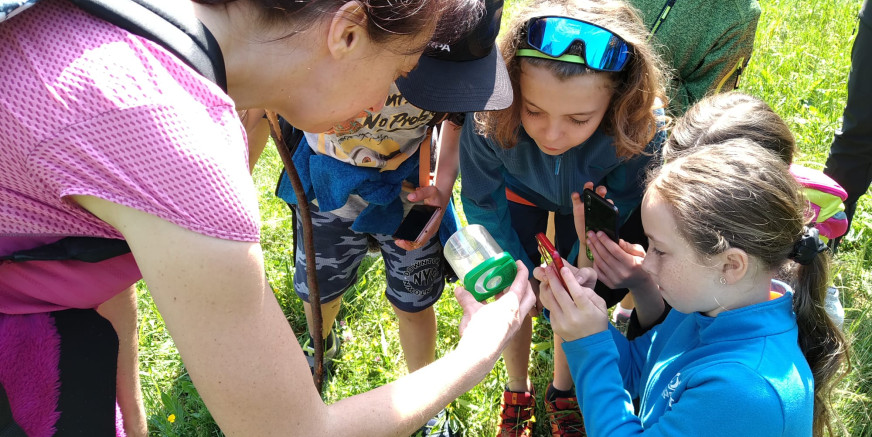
column 741, row 373
column 708, row 43
column 486, row 169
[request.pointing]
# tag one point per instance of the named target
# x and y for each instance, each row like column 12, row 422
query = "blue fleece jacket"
column 738, row 374
column 486, row 169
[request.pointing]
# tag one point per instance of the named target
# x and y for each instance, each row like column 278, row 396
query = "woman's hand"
column 484, row 324
column 577, row 312
column 618, row 265
column 432, row 196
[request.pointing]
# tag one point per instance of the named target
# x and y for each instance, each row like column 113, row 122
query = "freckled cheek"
column 672, row 270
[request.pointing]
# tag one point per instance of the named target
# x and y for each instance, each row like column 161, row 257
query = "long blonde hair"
column 629, row 118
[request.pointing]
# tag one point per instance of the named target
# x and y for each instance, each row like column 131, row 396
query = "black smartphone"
column 599, row 215
column 419, row 220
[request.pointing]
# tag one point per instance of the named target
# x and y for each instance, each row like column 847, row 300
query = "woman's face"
column 687, row 282
column 561, row 114
column 330, row 72
column 360, row 84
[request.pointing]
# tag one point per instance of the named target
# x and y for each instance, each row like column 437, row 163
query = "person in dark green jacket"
column 707, row 43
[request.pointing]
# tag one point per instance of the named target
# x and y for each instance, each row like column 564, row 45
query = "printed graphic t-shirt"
column 89, row 109
column 379, row 140
column 382, row 140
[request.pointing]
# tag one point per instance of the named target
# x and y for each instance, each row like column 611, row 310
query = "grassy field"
column 800, row 65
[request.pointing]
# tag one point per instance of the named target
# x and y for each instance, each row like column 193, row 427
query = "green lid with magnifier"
column 492, row 276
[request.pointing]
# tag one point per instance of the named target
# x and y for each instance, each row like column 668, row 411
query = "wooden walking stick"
column 308, row 247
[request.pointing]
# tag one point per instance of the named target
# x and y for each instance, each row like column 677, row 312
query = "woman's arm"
column 257, row 131
column 244, row 358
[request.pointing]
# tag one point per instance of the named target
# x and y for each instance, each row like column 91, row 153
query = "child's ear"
column 734, row 265
column 346, row 33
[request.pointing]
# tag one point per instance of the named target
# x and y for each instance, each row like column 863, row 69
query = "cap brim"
column 448, row 86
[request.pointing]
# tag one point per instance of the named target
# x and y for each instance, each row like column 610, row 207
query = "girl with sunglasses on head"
column 132, row 144
column 740, row 353
column 588, row 93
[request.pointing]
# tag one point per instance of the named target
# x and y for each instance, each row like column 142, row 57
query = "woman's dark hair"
column 386, row 19
column 739, row 195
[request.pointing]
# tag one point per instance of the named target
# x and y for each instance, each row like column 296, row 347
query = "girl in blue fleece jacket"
column 588, row 96
column 740, row 353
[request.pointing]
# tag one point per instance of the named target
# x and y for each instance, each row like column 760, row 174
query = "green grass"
column 800, row 65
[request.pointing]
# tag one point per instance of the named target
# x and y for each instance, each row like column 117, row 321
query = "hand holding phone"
column 417, row 223
column 550, row 257
column 553, row 262
column 599, row 215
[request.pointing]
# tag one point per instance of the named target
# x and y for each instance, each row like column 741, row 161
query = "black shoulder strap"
column 87, row 249
column 184, row 37
column 8, row 427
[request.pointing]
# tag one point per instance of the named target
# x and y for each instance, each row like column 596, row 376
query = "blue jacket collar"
column 762, row 319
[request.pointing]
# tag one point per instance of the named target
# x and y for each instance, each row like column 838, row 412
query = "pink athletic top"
column 89, row 109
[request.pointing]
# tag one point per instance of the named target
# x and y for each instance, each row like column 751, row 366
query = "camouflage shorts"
column 414, row 279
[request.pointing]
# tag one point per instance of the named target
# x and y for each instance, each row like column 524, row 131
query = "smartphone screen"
column 415, row 222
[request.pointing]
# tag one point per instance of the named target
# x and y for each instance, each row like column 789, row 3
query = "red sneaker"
column 516, row 418
column 565, row 417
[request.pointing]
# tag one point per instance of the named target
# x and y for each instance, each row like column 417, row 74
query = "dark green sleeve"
column 719, row 69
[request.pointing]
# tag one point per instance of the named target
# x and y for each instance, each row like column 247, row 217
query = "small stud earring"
column 723, row 280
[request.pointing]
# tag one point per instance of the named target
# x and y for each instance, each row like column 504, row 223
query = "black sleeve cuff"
column 457, row 118
column 634, row 329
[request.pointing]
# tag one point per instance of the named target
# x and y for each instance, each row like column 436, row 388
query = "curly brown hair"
column 638, row 89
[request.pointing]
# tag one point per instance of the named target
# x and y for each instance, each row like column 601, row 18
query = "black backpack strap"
column 87, row 249
column 184, row 37
column 8, row 427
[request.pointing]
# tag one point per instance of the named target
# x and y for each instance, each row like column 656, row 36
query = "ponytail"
column 706, row 187
column 821, row 341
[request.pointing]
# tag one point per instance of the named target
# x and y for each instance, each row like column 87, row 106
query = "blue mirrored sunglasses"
column 552, row 37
